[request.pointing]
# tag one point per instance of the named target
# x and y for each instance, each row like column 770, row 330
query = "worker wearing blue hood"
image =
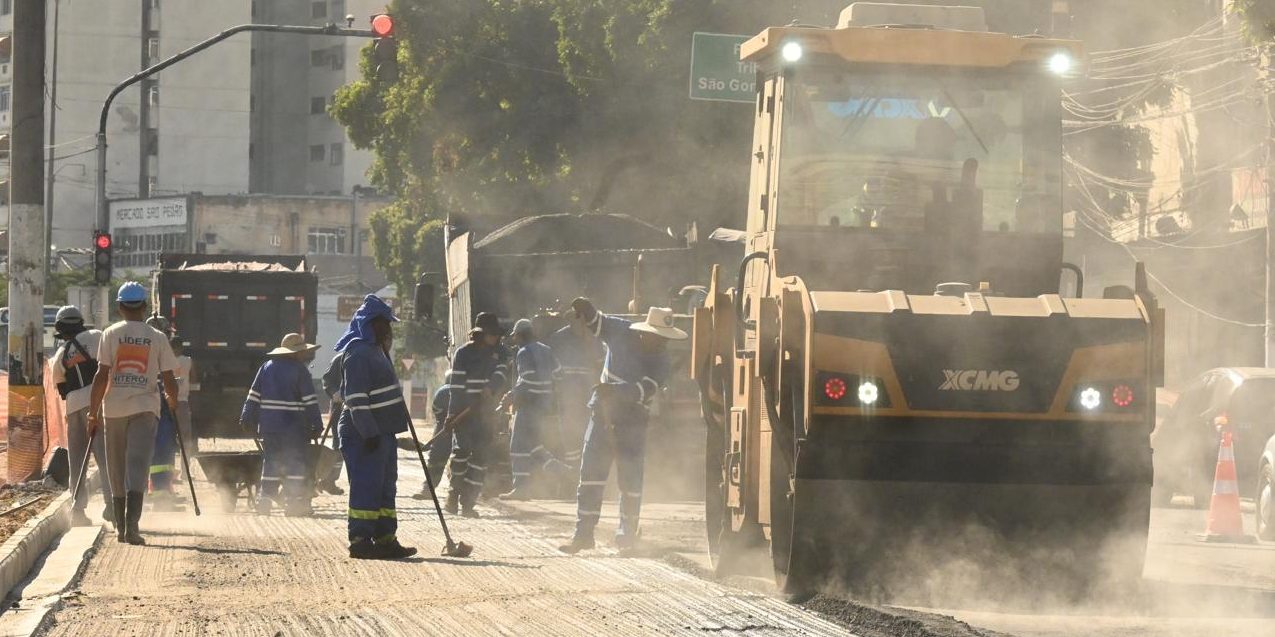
column 373, row 413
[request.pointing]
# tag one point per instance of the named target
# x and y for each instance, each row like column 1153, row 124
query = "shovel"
column 181, row 445
column 452, row 548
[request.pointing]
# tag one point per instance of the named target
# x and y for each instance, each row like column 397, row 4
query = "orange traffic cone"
column 1225, row 522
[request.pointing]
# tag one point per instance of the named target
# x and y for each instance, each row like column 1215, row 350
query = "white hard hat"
column 69, row 314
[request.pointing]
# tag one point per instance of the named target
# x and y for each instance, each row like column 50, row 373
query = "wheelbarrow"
column 232, row 472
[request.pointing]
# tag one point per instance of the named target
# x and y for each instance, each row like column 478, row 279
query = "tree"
column 504, row 109
column 1258, row 18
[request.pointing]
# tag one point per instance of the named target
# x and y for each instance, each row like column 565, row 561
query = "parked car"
column 1264, row 496
column 1185, row 443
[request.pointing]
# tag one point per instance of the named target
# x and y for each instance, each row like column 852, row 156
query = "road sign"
column 408, row 362
column 717, row 74
column 346, row 306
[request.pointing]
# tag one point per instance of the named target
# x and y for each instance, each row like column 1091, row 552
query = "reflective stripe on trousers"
column 469, row 459
column 526, row 448
column 284, row 461
column 628, row 453
column 373, row 479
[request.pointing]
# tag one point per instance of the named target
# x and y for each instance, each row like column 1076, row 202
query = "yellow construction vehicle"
column 895, row 376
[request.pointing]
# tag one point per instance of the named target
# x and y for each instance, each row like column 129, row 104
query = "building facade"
column 246, row 115
column 326, row 227
column 297, row 147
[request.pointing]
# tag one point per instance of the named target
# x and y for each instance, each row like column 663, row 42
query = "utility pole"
column 53, row 126
column 26, row 244
column 1268, row 75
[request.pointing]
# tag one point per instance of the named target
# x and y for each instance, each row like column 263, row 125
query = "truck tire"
column 1265, row 502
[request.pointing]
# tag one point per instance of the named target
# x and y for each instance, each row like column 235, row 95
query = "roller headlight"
column 792, row 52
column 1090, row 398
column 868, row 393
column 1060, row 63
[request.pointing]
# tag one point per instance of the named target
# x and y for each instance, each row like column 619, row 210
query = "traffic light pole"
column 103, row 210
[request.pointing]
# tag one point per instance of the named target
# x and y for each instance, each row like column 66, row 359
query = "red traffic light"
column 103, row 241
column 382, row 25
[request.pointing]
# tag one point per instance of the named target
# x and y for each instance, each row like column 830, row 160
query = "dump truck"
column 229, row 310
column 533, row 267
column 893, row 378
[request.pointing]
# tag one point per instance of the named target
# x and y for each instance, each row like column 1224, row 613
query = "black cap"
column 488, row 324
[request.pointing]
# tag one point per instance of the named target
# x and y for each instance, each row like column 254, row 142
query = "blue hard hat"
column 131, row 292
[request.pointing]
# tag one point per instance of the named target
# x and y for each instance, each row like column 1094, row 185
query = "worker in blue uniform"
column 532, row 399
column 282, row 407
column 478, row 374
column 163, row 462
column 580, row 354
column 633, row 373
column 332, row 387
column 374, row 412
column 442, row 447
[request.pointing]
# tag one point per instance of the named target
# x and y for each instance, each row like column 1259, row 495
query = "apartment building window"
column 152, row 49
column 318, row 57
column 152, row 142
column 317, row 152
column 318, row 105
column 336, row 154
column 319, row 9
column 152, row 95
column 338, row 58
column 6, row 7
column 4, row 99
column 326, row 240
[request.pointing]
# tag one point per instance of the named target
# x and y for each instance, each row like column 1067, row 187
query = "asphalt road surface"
column 248, row 575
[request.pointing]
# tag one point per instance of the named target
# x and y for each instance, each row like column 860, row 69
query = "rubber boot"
column 134, row 517
column 108, row 512
column 79, row 519
column 453, row 502
column 519, row 494
column 299, row 508
column 364, row 549
column 392, row 550
column 121, row 529
column 578, row 543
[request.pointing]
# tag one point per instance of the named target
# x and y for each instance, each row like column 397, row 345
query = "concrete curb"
column 20, row 552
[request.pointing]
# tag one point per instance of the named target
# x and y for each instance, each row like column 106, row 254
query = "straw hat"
column 659, row 321
column 292, row 344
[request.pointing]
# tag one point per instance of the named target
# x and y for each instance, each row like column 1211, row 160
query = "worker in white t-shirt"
column 72, row 368
column 126, row 393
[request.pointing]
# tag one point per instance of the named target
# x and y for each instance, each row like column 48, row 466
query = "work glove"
column 371, row 444
column 609, row 393
column 584, row 309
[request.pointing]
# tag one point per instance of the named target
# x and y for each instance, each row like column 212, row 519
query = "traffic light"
column 424, row 301
column 385, row 49
column 102, row 258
